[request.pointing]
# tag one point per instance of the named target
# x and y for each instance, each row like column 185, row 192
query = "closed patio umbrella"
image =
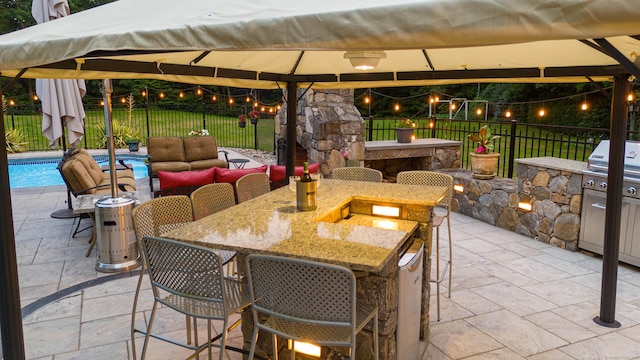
column 61, row 98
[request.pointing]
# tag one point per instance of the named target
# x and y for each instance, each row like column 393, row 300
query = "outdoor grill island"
column 594, row 183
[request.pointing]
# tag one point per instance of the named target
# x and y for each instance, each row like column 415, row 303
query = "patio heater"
column 116, row 239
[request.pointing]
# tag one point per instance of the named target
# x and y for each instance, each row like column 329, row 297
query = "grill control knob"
column 631, row 190
column 603, row 185
column 590, row 183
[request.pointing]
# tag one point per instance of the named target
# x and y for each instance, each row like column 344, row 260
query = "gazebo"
column 332, row 44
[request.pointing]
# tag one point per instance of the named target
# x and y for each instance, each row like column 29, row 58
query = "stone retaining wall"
column 552, row 186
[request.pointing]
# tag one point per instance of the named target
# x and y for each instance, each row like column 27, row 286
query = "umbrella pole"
column 68, row 212
column 107, row 89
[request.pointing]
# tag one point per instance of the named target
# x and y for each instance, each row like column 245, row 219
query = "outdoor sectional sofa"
column 178, row 154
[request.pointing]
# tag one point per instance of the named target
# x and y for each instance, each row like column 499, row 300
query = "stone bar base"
column 391, row 157
column 551, row 185
column 381, row 288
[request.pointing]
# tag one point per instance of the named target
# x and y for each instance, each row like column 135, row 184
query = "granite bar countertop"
column 271, row 224
column 555, row 163
column 416, row 143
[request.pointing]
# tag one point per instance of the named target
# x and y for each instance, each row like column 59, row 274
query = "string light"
column 12, row 102
column 453, row 106
column 144, row 93
column 479, row 111
column 397, row 107
column 262, row 108
column 123, row 100
column 542, row 112
column 255, row 104
column 367, row 100
column 231, row 101
column 584, row 106
column 181, row 95
column 161, row 95
column 101, row 102
column 35, row 97
column 630, row 97
column 248, row 99
column 199, row 91
column 507, row 114
column 214, row 97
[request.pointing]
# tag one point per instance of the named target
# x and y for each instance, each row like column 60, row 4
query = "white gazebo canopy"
column 256, row 44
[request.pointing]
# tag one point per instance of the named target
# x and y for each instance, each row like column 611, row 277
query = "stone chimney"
column 327, row 124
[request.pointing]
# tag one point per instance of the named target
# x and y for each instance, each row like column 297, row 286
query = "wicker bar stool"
column 431, row 178
column 252, row 185
column 210, row 199
column 357, row 174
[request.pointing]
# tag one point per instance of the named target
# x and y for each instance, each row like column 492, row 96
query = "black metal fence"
column 154, row 119
column 517, row 140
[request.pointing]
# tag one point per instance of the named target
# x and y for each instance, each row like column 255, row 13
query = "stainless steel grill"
column 594, row 183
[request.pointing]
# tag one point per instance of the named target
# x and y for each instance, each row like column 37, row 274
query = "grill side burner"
column 594, row 184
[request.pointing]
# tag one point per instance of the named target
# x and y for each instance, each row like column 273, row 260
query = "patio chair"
column 431, row 178
column 210, row 199
column 154, row 218
column 308, row 301
column 251, row 186
column 357, row 174
column 189, row 279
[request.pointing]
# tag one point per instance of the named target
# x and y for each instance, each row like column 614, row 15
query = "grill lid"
column 599, row 159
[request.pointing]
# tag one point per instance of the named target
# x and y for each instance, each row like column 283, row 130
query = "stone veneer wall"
column 553, row 186
column 327, row 123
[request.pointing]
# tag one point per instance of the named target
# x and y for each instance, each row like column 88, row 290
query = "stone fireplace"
column 327, row 124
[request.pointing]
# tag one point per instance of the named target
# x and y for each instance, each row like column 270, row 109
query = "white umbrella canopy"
column 61, row 99
column 259, row 44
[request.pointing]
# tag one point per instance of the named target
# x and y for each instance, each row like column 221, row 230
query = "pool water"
column 43, row 172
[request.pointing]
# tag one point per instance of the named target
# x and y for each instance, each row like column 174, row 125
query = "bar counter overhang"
column 340, row 231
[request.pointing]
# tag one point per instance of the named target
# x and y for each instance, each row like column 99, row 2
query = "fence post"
column 512, row 146
column 146, row 108
column 370, row 128
column 204, row 119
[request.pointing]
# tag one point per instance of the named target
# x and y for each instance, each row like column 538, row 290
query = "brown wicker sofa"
column 183, row 154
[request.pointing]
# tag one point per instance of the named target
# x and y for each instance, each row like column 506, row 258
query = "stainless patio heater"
column 116, row 239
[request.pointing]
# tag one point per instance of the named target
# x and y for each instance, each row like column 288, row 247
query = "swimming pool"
column 26, row 173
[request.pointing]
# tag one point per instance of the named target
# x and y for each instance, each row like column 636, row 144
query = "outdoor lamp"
column 364, row 60
column 304, row 347
column 525, row 203
column 457, row 187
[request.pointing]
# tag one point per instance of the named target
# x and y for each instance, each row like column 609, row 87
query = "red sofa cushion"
column 169, row 179
column 278, row 173
column 232, row 175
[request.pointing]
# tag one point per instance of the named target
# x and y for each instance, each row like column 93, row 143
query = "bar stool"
column 431, row 178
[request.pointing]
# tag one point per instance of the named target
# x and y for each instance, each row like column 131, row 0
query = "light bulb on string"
column 255, row 104
column 161, row 95
column 214, row 98
column 584, row 106
column 181, row 95
column 396, row 107
column 247, row 99
column 507, row 114
column 453, row 106
column 12, row 102
column 101, row 102
column 479, row 111
column 367, row 100
column 123, row 100
column 630, row 97
column 262, row 108
column 278, row 107
column 143, row 93
column 199, row 91
column 542, row 112
column 231, row 100
column 35, row 97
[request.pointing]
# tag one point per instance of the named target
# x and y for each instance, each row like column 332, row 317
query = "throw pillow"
column 169, row 179
column 278, row 173
column 232, row 175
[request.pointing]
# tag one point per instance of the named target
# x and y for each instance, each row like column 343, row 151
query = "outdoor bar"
column 342, row 230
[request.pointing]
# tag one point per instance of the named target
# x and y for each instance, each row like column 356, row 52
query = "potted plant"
column 242, row 120
column 404, row 130
column 203, row 132
column 254, row 115
column 133, row 143
column 484, row 162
